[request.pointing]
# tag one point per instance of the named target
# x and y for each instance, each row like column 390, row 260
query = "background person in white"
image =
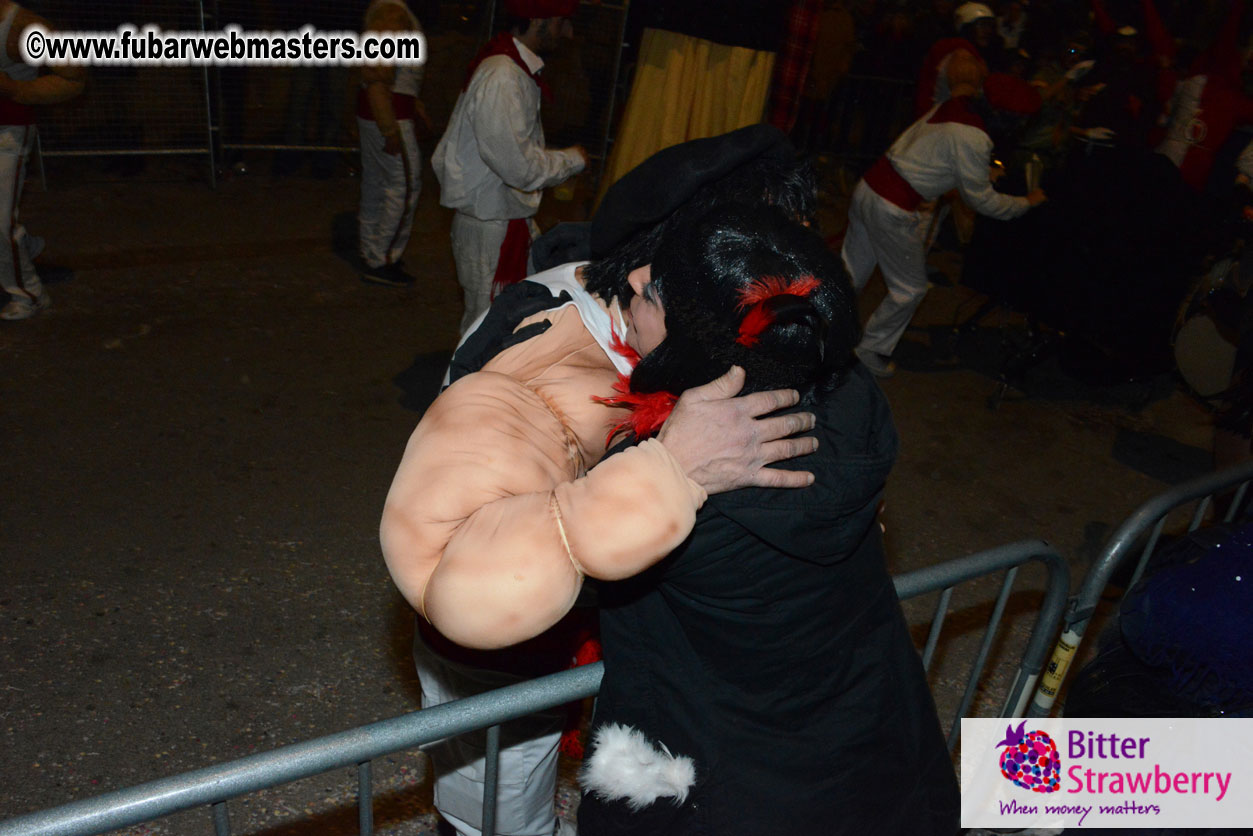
column 391, row 170
column 21, row 86
column 887, row 225
column 491, row 162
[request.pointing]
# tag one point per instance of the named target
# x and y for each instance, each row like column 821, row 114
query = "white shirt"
column 935, row 157
column 601, row 321
column 491, row 162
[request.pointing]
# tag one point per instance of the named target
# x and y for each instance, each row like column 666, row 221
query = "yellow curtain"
column 687, row 88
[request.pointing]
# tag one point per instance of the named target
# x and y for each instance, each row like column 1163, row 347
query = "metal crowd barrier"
column 1151, row 518
column 215, row 785
column 220, row 112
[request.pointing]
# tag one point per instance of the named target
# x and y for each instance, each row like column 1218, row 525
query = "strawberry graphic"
column 1030, row 759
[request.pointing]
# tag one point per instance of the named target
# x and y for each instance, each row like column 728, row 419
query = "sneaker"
column 24, row 307
column 392, row 275
column 878, row 365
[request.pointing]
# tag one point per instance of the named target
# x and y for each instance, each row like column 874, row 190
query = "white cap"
column 968, row 13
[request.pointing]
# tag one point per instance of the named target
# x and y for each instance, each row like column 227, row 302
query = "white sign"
column 1113, row 772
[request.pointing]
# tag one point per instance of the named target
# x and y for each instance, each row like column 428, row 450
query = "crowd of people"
column 1132, row 117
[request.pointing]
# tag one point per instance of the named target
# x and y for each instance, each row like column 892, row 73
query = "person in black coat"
column 761, row 679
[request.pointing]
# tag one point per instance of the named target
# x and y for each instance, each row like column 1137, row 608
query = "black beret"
column 647, row 194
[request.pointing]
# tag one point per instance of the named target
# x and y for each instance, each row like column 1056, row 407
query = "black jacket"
column 771, row 649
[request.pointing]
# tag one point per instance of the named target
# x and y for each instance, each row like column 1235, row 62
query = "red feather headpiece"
column 649, row 410
column 756, row 295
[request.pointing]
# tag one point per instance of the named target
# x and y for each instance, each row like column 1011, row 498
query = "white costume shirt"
column 936, row 156
column 601, row 322
column 491, row 162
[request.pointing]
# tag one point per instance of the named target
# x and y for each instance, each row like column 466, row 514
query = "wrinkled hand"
column 723, row 443
column 1036, row 197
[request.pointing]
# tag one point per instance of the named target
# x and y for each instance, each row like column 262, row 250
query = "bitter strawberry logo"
column 1030, row 759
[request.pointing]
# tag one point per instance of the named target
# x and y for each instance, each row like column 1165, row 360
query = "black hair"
column 702, row 268
column 789, row 185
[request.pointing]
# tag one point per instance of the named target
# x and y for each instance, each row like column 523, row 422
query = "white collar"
column 533, row 61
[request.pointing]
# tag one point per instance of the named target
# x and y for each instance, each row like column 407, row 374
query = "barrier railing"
column 1149, row 518
column 215, row 785
column 222, row 112
column 130, row 111
column 946, row 576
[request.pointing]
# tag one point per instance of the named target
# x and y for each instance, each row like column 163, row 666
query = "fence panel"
column 129, row 110
column 272, row 108
column 1145, row 526
column 215, row 785
column 226, row 111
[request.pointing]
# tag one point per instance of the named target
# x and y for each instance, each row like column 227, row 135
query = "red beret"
column 540, row 9
column 1005, row 92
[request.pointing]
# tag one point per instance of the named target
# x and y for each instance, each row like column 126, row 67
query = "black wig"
column 748, row 286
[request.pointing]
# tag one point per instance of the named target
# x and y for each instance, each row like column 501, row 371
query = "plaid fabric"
column 792, row 65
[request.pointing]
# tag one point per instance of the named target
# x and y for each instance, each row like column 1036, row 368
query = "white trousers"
column 390, row 184
column 527, row 780
column 17, row 272
column 476, row 251
column 880, row 232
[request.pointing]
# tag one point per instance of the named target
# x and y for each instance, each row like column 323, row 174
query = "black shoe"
column 392, row 275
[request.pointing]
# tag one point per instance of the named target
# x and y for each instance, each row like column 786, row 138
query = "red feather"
column 620, row 346
column 571, row 743
column 649, row 410
column 769, row 286
column 757, row 320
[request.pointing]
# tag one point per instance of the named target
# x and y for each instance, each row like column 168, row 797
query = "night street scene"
column 752, row 390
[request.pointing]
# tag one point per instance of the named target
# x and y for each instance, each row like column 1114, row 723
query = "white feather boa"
column 625, row 765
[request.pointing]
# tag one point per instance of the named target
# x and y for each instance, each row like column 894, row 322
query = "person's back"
column 765, row 665
column 771, row 649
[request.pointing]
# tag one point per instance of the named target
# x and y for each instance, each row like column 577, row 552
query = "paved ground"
column 197, row 438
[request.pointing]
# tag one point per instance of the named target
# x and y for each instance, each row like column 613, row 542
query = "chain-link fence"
column 227, row 113
column 129, row 110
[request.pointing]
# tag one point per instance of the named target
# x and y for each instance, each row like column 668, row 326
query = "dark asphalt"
column 197, row 438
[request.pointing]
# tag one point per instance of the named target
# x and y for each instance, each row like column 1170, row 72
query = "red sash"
column 511, row 268
column 890, row 185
